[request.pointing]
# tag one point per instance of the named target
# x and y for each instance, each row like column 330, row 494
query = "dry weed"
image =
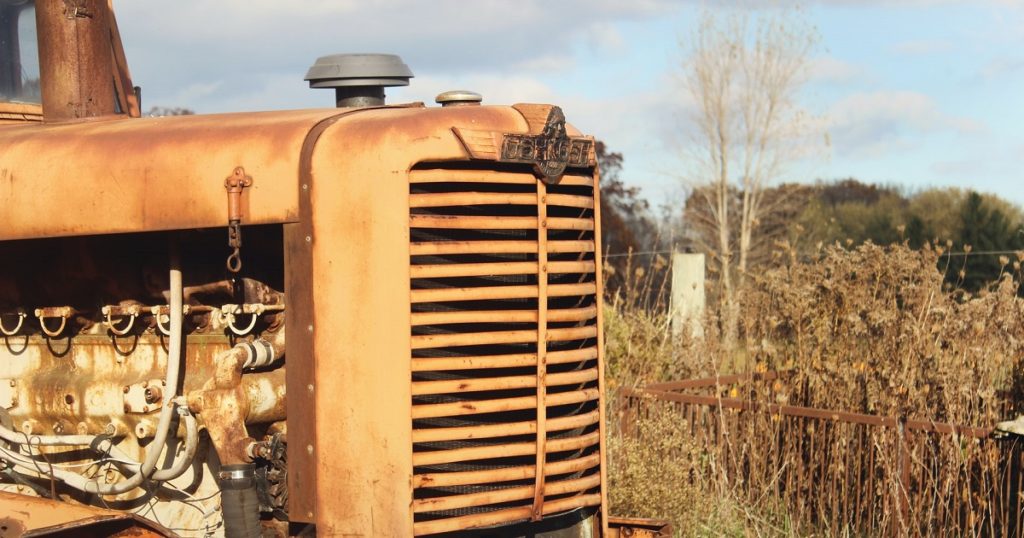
column 870, row 330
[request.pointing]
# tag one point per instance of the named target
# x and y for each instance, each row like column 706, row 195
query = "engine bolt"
column 153, row 394
column 127, row 389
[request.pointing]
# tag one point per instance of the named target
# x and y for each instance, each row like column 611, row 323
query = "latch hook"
column 234, row 185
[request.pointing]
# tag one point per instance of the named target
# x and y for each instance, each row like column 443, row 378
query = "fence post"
column 688, row 298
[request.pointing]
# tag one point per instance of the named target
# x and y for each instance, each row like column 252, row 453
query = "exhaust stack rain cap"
column 358, row 79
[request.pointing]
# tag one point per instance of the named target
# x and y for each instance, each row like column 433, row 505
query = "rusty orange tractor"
column 435, row 270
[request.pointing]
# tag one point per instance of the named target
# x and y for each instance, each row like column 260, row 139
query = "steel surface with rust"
column 32, row 516
column 339, row 182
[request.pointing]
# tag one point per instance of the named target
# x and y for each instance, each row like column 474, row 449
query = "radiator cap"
column 459, row 98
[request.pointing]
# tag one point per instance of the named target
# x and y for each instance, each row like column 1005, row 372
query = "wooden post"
column 688, row 293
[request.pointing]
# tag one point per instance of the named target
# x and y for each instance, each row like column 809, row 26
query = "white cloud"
column 604, row 37
column 832, row 70
column 197, row 91
column 877, row 123
column 246, row 42
column 1001, row 67
column 494, row 89
column 922, row 47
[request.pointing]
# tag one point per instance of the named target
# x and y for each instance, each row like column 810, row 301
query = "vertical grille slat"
column 502, row 266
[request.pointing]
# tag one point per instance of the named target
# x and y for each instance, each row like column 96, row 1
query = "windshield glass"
column 19, row 56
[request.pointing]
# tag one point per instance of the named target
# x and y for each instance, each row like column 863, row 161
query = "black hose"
column 239, row 502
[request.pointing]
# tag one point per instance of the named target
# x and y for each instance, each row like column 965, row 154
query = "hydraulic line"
column 167, row 412
column 191, row 444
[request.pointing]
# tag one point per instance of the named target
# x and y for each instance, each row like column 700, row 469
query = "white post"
column 688, row 293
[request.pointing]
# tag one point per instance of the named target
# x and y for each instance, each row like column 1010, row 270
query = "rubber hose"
column 239, row 502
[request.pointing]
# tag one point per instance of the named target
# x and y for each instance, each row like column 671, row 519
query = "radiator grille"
column 481, row 239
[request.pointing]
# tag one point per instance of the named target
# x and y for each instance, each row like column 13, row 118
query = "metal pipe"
column 75, row 60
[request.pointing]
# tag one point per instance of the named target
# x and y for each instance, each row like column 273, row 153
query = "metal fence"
column 841, row 472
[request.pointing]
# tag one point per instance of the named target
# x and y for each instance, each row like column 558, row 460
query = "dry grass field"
column 871, row 330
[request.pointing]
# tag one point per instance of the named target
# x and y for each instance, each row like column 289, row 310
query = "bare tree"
column 743, row 73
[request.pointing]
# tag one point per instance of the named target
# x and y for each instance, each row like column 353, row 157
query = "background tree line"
column 978, row 233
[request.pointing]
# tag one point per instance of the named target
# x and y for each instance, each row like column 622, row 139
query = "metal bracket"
column 8, row 393
column 234, row 185
column 144, row 397
column 61, row 313
column 229, row 314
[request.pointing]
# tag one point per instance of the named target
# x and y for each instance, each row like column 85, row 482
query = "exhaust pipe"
column 75, row 59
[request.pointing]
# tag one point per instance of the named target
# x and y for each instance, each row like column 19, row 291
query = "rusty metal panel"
column 301, row 305
column 21, row 515
column 111, row 176
column 19, row 113
column 360, row 263
column 602, row 387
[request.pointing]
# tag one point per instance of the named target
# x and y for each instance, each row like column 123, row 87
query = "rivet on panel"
column 305, row 187
column 309, row 239
column 310, row 388
column 310, row 328
column 309, row 448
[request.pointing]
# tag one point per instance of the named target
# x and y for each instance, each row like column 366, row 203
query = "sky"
column 914, row 93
